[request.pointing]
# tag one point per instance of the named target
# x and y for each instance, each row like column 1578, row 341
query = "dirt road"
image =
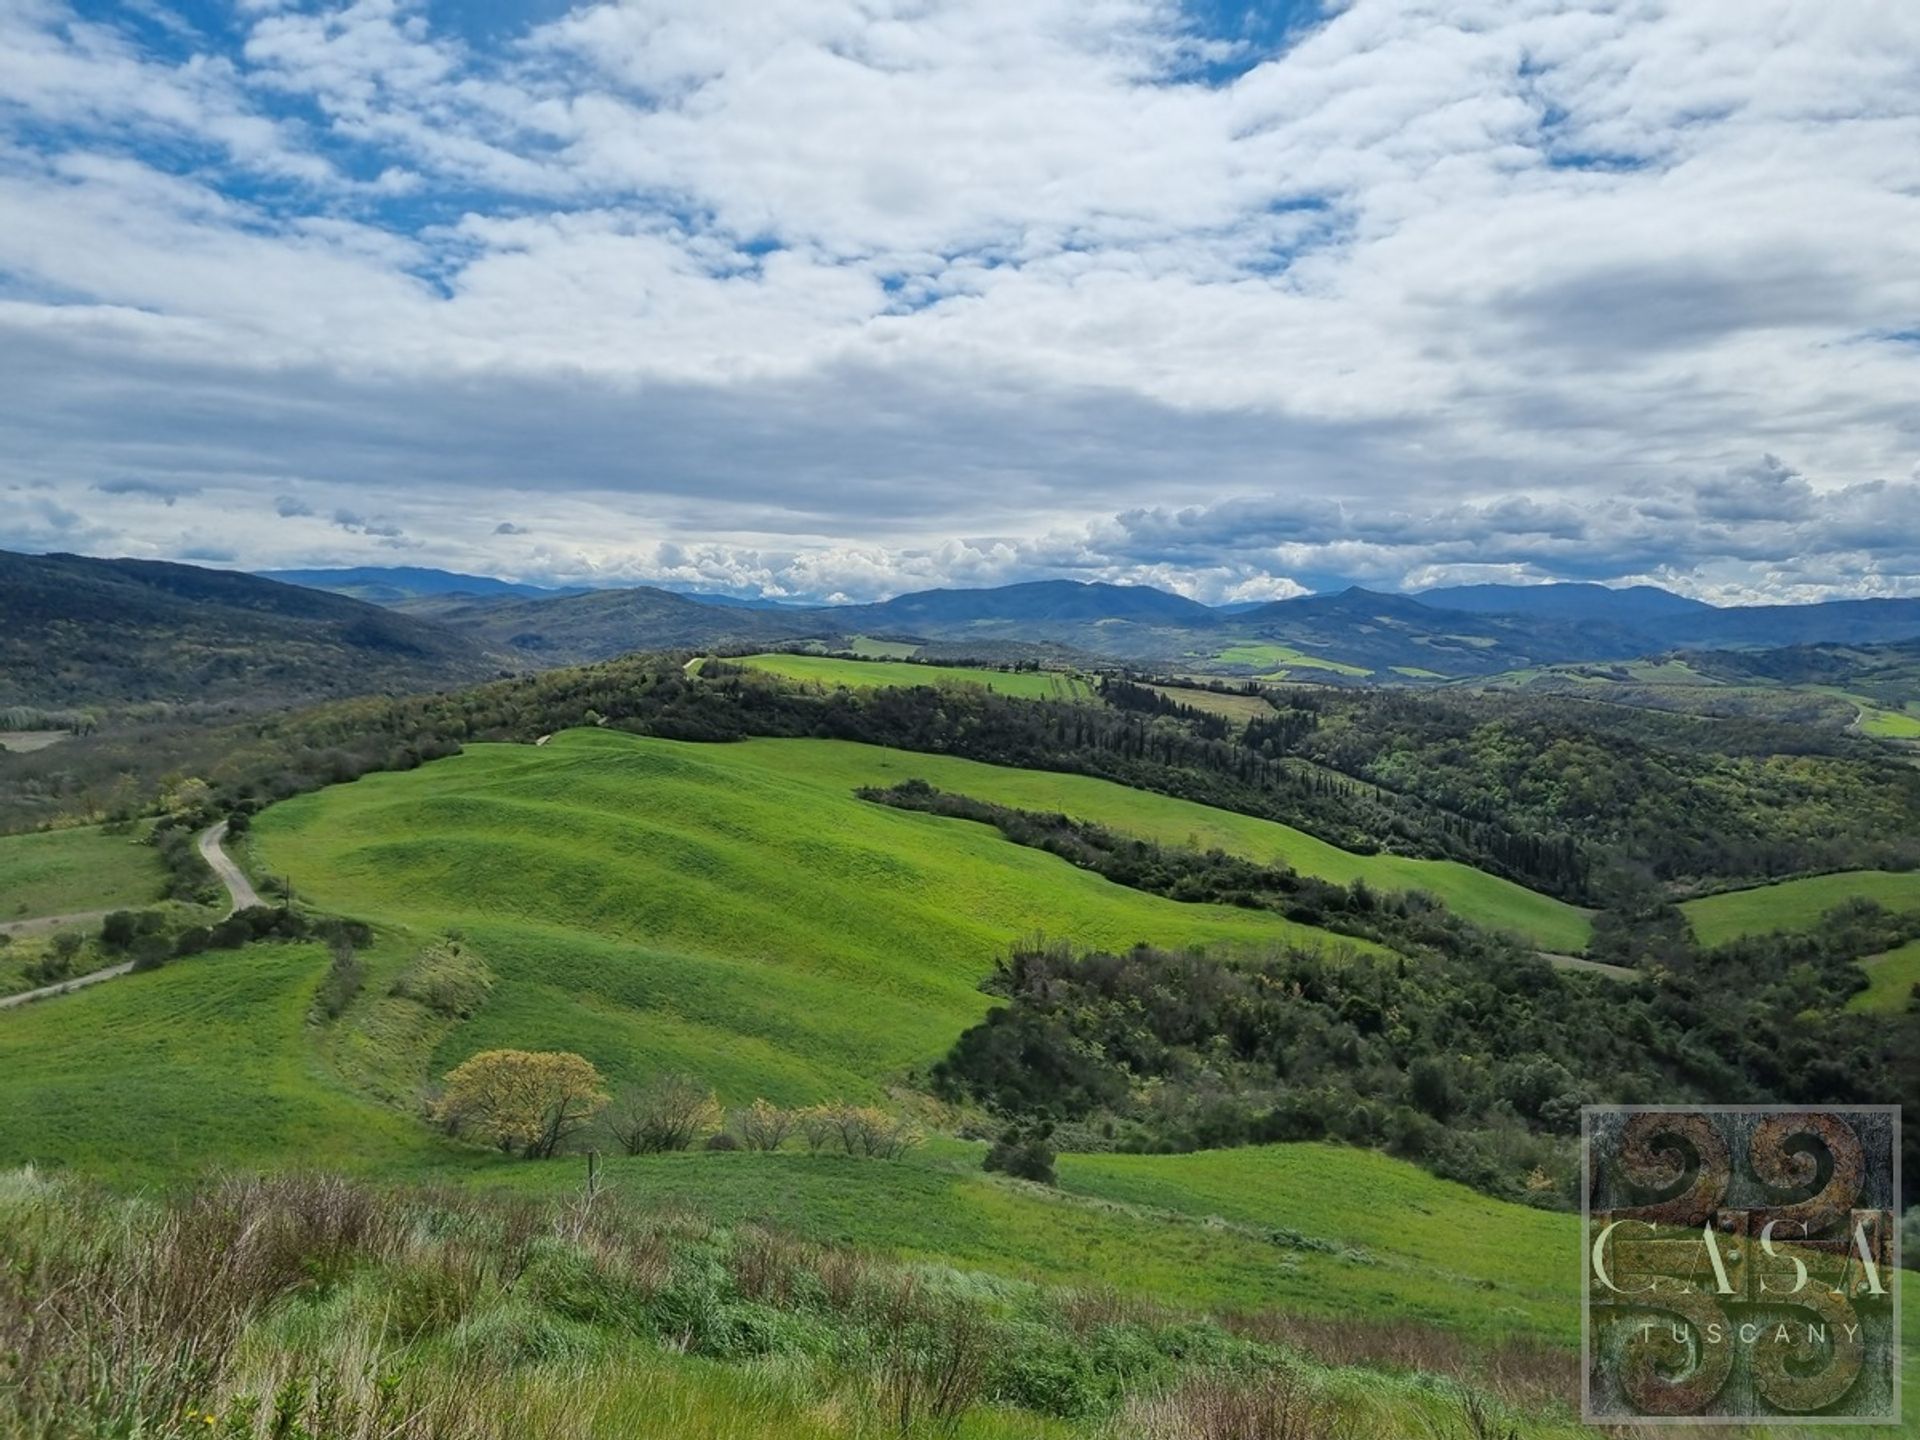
column 240, row 894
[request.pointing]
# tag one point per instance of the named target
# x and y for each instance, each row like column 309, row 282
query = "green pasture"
column 835, row 670
column 58, row 872
column 732, row 910
column 1795, row 905
column 1893, row 976
column 1281, row 658
column 1485, row 899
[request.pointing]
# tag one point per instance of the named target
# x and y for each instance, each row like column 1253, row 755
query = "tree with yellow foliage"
column 528, row 1101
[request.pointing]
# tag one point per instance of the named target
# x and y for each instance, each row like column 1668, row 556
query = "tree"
column 669, row 1112
column 528, row 1101
column 765, row 1126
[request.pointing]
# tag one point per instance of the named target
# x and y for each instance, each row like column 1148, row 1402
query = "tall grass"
column 307, row 1306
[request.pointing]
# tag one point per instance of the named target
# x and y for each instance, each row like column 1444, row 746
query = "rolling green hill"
column 1482, row 898
column 654, row 904
column 1796, row 904
column 832, row 670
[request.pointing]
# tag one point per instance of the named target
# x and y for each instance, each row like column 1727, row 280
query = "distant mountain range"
column 81, row 631
column 1455, row 631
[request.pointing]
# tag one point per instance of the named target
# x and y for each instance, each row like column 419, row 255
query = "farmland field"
column 655, row 904
column 1796, row 905
column 1237, row 708
column 854, row 674
column 1485, row 899
column 57, row 872
column 1894, row 975
column 1278, row 659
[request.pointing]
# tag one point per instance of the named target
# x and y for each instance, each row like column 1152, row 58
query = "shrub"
column 344, row 977
column 447, row 978
column 764, row 1126
column 150, row 952
column 858, row 1130
column 721, row 1140
column 1024, row 1154
column 669, row 1112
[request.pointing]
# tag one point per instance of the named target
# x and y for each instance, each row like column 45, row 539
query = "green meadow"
column 732, row 910
column 1893, row 976
column 834, row 670
column 1795, row 905
column 216, row 1061
column 1279, row 659
column 58, row 872
column 1485, row 899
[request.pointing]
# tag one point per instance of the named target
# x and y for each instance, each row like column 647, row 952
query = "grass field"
column 855, row 674
column 1796, row 904
column 212, row 1061
column 1237, row 708
column 708, row 907
column 1485, row 899
column 57, row 872
column 206, row 1062
column 869, row 648
column 1279, row 659
column 1894, row 975
column 1888, row 724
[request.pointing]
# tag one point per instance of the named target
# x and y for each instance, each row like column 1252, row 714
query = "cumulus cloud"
column 822, row 301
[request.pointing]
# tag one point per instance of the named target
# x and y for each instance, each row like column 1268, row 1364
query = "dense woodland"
column 1473, row 1062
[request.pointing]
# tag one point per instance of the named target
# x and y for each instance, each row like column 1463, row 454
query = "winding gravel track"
column 239, row 889
column 240, row 894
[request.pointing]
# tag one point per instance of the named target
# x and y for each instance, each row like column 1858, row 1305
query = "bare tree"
column 669, row 1112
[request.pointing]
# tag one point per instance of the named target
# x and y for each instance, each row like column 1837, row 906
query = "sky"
column 835, row 299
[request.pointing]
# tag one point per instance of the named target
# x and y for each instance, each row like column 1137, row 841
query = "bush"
column 669, row 1112
column 1023, row 1154
column 857, row 1130
column 721, row 1140
column 150, row 952
column 765, row 1126
column 342, row 982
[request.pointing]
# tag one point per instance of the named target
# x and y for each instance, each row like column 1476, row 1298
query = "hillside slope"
column 85, row 632
column 657, row 904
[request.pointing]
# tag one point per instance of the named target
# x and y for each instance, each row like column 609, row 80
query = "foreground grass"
column 58, row 872
column 1475, row 895
column 858, row 674
column 305, row 1305
column 1796, row 905
column 717, row 909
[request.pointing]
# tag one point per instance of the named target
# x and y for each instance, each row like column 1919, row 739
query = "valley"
column 686, row 865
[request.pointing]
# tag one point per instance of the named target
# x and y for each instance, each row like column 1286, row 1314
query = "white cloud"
column 797, row 296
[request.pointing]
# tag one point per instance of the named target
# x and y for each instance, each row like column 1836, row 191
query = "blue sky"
column 838, row 298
